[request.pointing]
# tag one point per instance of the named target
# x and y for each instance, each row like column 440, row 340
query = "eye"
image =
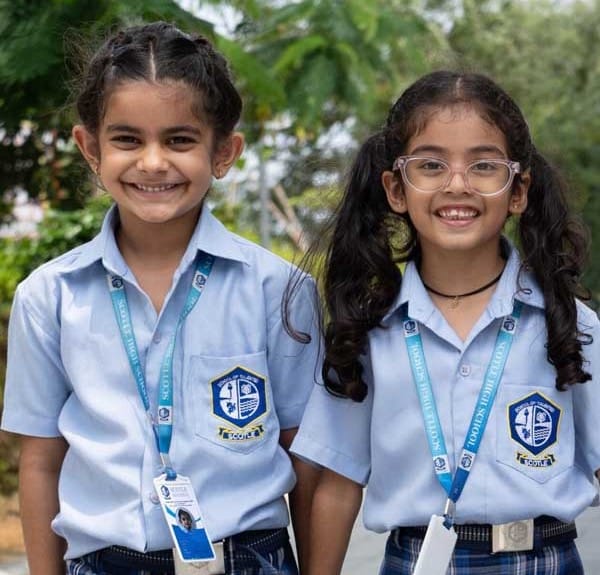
column 485, row 166
column 430, row 165
column 125, row 141
column 181, row 141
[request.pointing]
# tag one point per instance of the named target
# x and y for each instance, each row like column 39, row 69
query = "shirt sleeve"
column 586, row 399
column 36, row 385
column 293, row 364
column 336, row 433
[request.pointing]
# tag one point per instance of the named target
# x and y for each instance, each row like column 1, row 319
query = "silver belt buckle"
column 514, row 536
column 214, row 567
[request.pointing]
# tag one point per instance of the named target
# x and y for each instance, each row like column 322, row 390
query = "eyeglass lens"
column 485, row 177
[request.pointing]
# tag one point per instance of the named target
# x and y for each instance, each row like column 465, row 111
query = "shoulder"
column 284, row 285
column 43, row 285
column 264, row 261
column 236, row 253
column 270, row 270
column 587, row 319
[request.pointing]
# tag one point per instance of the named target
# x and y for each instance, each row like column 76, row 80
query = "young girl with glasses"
column 461, row 376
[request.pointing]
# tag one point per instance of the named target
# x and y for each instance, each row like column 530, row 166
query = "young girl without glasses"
column 475, row 366
column 149, row 373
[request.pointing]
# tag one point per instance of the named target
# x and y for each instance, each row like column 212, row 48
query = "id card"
column 182, row 514
column 215, row 567
column 437, row 548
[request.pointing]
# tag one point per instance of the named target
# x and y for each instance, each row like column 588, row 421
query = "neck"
column 460, row 272
column 154, row 244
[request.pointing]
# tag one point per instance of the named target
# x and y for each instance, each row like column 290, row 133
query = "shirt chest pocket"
column 535, row 431
column 232, row 402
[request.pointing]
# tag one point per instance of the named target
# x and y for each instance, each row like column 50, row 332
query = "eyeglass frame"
column 513, row 167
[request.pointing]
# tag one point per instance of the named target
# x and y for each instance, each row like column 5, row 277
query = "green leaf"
column 291, row 58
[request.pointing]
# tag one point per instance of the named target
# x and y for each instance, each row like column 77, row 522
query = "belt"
column 262, row 541
column 547, row 531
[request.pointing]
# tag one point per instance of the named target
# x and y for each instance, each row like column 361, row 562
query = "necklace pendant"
column 455, row 302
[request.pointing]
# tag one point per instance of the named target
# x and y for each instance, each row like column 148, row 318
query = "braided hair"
column 160, row 52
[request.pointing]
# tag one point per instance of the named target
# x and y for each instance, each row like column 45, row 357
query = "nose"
column 457, row 182
column 152, row 159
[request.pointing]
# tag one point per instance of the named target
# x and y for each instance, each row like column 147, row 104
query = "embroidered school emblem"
column 534, row 422
column 239, row 398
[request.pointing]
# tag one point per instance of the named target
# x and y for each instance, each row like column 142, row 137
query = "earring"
column 95, row 168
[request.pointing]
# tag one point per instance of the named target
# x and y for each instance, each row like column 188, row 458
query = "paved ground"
column 366, row 549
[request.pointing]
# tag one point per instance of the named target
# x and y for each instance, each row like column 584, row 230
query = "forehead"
column 458, row 128
column 151, row 106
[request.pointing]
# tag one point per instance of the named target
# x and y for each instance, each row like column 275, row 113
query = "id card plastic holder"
column 437, row 548
column 182, row 514
column 214, row 567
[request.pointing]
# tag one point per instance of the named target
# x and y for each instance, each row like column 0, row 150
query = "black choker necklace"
column 456, row 298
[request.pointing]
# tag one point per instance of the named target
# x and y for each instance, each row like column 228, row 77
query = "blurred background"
column 316, row 76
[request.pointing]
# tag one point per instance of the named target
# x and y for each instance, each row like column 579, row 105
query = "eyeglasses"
column 484, row 177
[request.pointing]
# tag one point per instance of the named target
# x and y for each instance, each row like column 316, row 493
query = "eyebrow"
column 474, row 150
column 185, row 128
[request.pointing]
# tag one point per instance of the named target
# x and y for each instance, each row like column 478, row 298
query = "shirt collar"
column 420, row 305
column 210, row 236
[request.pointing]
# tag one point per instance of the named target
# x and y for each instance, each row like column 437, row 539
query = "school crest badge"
column 239, row 398
column 534, row 422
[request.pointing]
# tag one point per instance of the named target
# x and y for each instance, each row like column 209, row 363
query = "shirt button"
column 465, row 370
column 156, row 338
column 153, row 498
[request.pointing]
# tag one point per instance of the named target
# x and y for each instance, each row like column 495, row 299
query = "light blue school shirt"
column 68, row 374
column 540, row 446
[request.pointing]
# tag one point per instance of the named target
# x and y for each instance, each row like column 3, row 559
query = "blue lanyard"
column 487, row 394
column 162, row 425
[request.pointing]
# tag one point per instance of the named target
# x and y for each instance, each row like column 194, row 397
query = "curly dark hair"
column 160, row 52
column 362, row 277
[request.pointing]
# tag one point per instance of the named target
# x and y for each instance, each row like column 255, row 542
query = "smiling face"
column 154, row 155
column 455, row 218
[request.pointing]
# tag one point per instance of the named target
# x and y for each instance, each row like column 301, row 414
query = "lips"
column 457, row 213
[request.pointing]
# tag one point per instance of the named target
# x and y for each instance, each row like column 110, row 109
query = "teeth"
column 457, row 213
column 155, row 189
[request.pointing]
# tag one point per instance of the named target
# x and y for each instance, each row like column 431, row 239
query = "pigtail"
column 555, row 247
column 361, row 275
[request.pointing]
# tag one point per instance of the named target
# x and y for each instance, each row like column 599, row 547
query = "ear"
column 394, row 192
column 88, row 146
column 518, row 198
column 228, row 151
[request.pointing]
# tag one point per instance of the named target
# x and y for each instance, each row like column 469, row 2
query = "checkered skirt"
column 401, row 557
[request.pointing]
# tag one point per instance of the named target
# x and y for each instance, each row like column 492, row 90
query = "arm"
column 39, row 467
column 335, row 506
column 300, row 498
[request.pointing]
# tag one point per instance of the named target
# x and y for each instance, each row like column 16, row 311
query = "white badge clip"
column 514, row 536
column 438, row 545
column 182, row 514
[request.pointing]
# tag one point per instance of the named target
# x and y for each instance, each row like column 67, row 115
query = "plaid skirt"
column 401, row 555
column 244, row 555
